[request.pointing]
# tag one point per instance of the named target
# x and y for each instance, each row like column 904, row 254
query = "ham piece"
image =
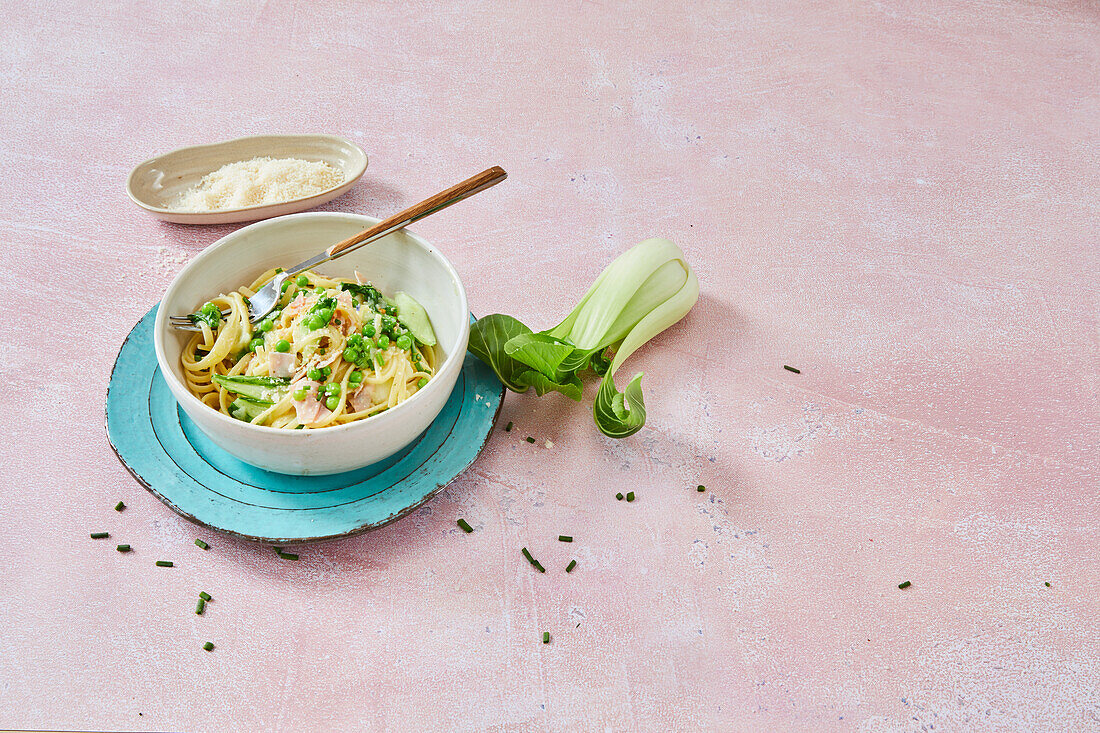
column 345, row 303
column 361, row 399
column 310, row 410
column 295, row 306
column 282, row 364
column 329, row 357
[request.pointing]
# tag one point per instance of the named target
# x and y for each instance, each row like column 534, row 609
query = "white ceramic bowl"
column 399, row 261
column 156, row 183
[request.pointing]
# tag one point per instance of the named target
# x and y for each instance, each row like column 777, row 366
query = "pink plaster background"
column 899, row 198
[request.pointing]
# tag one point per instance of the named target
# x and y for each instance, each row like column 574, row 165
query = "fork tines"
column 187, row 319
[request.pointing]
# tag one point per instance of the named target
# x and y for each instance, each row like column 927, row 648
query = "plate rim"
column 390, row 519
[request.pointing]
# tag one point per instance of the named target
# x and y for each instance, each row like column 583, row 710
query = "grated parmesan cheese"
column 258, row 182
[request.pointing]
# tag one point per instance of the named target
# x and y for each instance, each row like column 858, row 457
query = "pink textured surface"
column 900, row 199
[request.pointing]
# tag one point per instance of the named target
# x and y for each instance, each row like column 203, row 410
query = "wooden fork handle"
column 438, row 202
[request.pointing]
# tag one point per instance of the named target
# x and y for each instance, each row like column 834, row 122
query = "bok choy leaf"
column 641, row 293
column 488, row 336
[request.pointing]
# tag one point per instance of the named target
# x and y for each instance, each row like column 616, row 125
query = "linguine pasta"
column 332, row 352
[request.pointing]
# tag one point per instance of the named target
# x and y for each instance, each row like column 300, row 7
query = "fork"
column 264, row 301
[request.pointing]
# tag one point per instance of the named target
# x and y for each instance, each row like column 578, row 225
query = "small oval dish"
column 154, row 184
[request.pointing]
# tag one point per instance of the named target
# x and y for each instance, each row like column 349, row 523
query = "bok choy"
column 644, row 291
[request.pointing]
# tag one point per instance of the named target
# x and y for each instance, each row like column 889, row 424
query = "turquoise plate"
column 170, row 456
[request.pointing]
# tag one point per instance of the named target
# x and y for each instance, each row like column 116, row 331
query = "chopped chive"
column 570, row 566
column 538, row 566
column 465, row 526
column 508, row 427
column 564, row 538
column 202, row 545
column 123, row 548
column 530, row 439
column 204, row 595
column 619, row 496
column 546, row 637
column 1047, row 584
column 164, row 563
column 792, row 369
column 277, row 550
column 288, row 556
column 700, row 487
column 119, row 507
column 630, row 496
column 200, row 607
column 99, row 535
column 904, row 585
column 208, row 646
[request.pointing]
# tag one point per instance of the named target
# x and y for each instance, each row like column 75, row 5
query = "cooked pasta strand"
column 323, row 368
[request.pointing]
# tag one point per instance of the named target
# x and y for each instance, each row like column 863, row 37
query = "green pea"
column 266, row 325
column 302, row 281
column 332, row 388
column 285, row 286
column 383, row 341
column 315, row 375
column 368, row 330
column 325, row 314
column 315, row 322
column 355, row 377
column 255, row 344
column 282, row 345
column 355, row 339
column 404, row 343
column 351, row 354
column 332, row 403
column 326, row 371
column 300, row 393
column 388, row 321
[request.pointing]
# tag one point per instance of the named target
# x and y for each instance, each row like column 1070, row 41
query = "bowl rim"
column 160, row 324
column 358, row 172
